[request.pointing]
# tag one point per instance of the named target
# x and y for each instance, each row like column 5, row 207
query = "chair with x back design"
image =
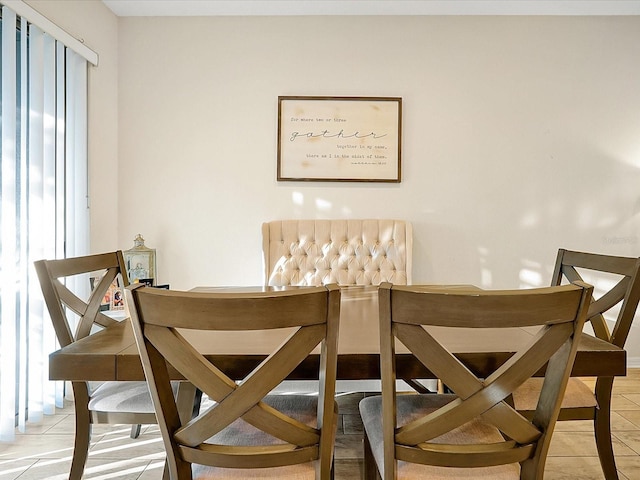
column 248, row 432
column 581, row 402
column 474, row 432
column 111, row 402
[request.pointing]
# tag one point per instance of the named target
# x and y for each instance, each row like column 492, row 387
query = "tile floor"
column 44, row 451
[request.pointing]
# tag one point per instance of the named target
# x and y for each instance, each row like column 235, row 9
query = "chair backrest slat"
column 241, row 311
column 487, row 309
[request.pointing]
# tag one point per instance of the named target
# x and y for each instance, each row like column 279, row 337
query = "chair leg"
column 197, row 400
column 370, row 467
column 188, row 401
column 165, row 473
column 135, row 431
column 602, row 428
column 83, row 434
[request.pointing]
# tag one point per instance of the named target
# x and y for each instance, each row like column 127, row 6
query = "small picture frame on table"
column 113, row 298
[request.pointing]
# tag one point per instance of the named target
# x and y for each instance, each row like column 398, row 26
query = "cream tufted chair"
column 346, row 252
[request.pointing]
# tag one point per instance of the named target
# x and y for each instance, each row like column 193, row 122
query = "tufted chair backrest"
column 346, row 252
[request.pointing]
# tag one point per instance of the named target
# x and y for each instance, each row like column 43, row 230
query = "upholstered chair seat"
column 300, row 407
column 131, row 397
column 412, row 407
column 577, row 395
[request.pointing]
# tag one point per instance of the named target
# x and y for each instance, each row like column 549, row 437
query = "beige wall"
column 92, row 22
column 521, row 135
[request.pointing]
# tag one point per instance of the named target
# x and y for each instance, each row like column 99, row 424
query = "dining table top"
column 112, row 354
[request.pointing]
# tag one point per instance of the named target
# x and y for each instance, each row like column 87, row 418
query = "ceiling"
column 152, row 8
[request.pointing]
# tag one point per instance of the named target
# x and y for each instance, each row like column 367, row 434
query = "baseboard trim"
column 633, row 362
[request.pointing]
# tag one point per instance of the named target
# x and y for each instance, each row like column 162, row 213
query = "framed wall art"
column 339, row 139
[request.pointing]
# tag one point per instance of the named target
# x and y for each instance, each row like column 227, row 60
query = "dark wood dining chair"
column 582, row 402
column 247, row 432
column 473, row 432
column 76, row 316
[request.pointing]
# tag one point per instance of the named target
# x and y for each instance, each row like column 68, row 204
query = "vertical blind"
column 43, row 205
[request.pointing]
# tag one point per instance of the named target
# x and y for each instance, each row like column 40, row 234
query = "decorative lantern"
column 141, row 262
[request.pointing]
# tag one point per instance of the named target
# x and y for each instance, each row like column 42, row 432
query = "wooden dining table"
column 112, row 354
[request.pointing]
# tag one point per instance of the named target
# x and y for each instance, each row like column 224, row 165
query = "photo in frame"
column 114, row 296
column 339, row 139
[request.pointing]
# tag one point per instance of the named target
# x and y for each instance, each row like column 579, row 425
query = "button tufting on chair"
column 325, row 252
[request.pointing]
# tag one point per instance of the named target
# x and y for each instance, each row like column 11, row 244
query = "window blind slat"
column 8, row 264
